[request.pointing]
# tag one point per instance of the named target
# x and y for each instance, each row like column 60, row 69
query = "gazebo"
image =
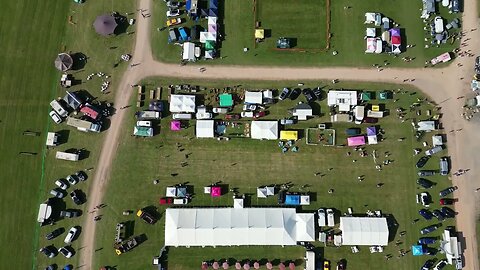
column 105, row 25
column 175, row 125
column 216, row 192
column 226, row 100
column 63, row 62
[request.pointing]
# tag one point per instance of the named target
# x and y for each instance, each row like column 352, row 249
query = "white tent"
column 188, row 51
column 261, row 192
column 305, row 200
column 182, row 103
column 306, row 227
column 209, row 54
column 364, row 231
column 343, row 99
column 372, row 139
column 426, row 126
column 204, row 129
column 212, row 20
column 374, row 45
column 204, row 36
column 253, row 97
column 371, row 32
column 238, row 203
column 264, row 130
column 44, row 212
column 302, row 111
column 437, row 140
column 234, row 226
column 171, row 192
column 369, row 17
column 451, row 246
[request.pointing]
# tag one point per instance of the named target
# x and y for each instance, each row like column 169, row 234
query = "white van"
column 57, row 107
column 220, row 110
column 438, row 25
column 443, row 166
column 359, row 114
column 434, row 150
column 182, row 116
column 321, row 217
column 144, row 123
column 330, row 218
column 180, row 201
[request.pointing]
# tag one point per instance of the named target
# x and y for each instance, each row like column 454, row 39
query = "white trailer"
column 83, row 125
column 52, row 139
column 321, row 217
column 67, row 156
column 148, row 115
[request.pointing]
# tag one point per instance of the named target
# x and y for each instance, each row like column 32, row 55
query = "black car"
column 447, row 191
column 70, row 213
column 51, row 267
column 76, row 197
column 429, row 229
column 308, row 95
column 438, row 215
column 295, row 93
column 429, row 250
column 425, row 214
column 422, row 161
column 427, row 265
column 54, row 233
column 425, row 183
column 447, row 212
column 81, row 175
column 49, row 251
column 284, row 94
column 318, row 93
column 426, row 173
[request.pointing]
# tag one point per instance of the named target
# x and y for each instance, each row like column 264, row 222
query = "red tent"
column 396, row 40
column 90, row 112
column 281, row 266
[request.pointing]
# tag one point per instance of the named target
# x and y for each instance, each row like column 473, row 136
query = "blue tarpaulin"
column 188, row 5
column 417, row 250
column 292, row 199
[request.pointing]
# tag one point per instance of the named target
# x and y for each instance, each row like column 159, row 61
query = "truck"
column 147, row 115
column 359, row 114
column 330, row 218
column 341, row 118
column 126, row 246
column 83, row 125
column 58, row 108
column 146, row 216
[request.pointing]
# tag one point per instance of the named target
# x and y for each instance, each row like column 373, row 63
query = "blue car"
column 429, row 229
column 427, row 240
column 427, row 265
column 425, row 214
column 183, row 34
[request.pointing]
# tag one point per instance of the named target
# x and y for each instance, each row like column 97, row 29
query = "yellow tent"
column 375, row 108
column 287, row 135
column 260, row 33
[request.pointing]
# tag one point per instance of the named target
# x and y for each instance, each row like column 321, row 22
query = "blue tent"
column 188, row 5
column 213, row 4
column 292, row 199
column 213, row 12
column 417, row 250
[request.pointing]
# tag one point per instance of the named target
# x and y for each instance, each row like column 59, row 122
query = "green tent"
column 384, row 95
column 366, row 96
column 226, row 100
column 143, row 131
column 209, row 45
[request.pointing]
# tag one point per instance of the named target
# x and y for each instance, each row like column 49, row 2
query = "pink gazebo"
column 215, row 265
column 216, row 192
column 225, row 265
column 269, row 265
column 356, row 141
column 281, row 266
column 238, row 266
column 291, row 266
column 204, row 266
column 256, row 265
column 175, row 125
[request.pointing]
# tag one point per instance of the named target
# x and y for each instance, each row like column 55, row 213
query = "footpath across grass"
column 246, row 164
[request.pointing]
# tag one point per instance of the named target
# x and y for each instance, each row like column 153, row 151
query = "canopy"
column 238, row 203
column 216, row 192
column 204, row 129
column 181, row 192
column 417, row 250
column 369, row 17
column 212, row 20
column 372, row 139
column 366, row 96
column 395, row 32
column 209, row 45
column 267, row 130
column 261, row 192
column 291, row 199
column 396, row 40
column 209, row 54
column 235, row 226
column 305, row 227
column 213, row 4
column 371, row 131
column 171, row 192
column 226, row 100
column 143, row 131
column 105, row 25
column 437, row 140
column 343, row 99
column 366, row 231
column 44, row 212
column 175, row 125
column 155, row 105
column 289, row 135
column 213, row 12
column 374, row 45
column 260, row 33
column 253, row 97
column 426, row 126
column 63, row 62
column 89, row 111
column 182, row 103
column 371, row 32
column 188, row 51
column 356, row 141
column 302, row 111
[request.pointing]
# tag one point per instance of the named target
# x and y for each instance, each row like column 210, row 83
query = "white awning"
column 182, row 103
column 366, row 231
column 253, row 97
column 264, row 130
column 188, row 51
column 238, row 203
column 171, row 192
column 306, row 227
column 204, row 129
column 44, row 212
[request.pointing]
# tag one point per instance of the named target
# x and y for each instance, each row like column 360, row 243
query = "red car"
column 232, row 116
column 259, row 114
column 166, row 201
column 447, row 201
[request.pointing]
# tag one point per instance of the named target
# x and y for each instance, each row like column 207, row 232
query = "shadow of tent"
column 122, row 25
column 79, row 61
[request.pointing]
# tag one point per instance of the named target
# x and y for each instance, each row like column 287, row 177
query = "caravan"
column 58, row 108
column 359, row 114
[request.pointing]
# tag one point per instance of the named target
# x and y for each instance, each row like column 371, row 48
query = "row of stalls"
column 390, row 36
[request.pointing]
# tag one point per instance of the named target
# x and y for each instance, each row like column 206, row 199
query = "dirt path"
column 442, row 86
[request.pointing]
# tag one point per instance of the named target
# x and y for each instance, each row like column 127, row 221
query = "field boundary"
column 315, row 50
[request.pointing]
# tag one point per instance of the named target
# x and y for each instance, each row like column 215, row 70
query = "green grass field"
column 246, row 164
column 306, row 22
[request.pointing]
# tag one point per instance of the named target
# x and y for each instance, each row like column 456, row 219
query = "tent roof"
column 226, row 100
column 171, row 192
column 188, row 51
column 305, row 227
column 426, row 125
column 235, row 226
column 175, row 125
column 261, row 192
column 355, row 141
column 72, row 100
column 395, row 32
column 264, row 130
column 204, row 129
column 143, row 131
column 396, row 40
column 371, row 131
column 366, row 231
column 253, row 97
column 182, row 103
column 105, row 24
column 63, row 62
column 343, row 99
column 238, row 203
column 260, row 33
column 371, row 32
column 288, row 135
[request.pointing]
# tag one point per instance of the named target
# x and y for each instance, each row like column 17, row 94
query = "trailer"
column 330, row 218
column 52, row 139
column 126, row 246
column 83, row 125
column 67, row 156
column 146, row 216
column 359, row 114
column 147, row 115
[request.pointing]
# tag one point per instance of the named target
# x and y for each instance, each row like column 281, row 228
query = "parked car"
column 69, row 213
column 307, row 92
column 447, row 212
column 172, row 35
column 51, row 267
column 174, row 21
column 232, row 116
column 386, row 23
column 427, row 240
column 284, row 94
column 424, row 198
column 318, row 93
column 61, row 183
column 58, row 193
column 429, row 250
column 341, row 265
column 246, row 114
column 433, row 150
column 51, row 235
column 426, row 173
column 443, row 166
column 425, row 214
column 66, row 251
column 295, row 93
column 166, row 200
column 72, row 233
column 455, row 23
column 173, row 4
column 440, row 264
column 326, row 265
column 455, row 6
column 424, row 183
column 76, row 197
column 55, row 117
column 438, row 215
column 49, row 251
column 429, row 229
column 321, row 217
column 427, row 265
column 72, row 179
column 286, row 121
column 447, row 191
column 447, row 201
column 220, row 110
column 180, row 201
column 174, row 12
column 81, row 175
column 422, row 161
column 259, row 114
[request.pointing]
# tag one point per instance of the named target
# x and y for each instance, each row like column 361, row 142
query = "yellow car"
column 174, row 21
column 326, row 265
